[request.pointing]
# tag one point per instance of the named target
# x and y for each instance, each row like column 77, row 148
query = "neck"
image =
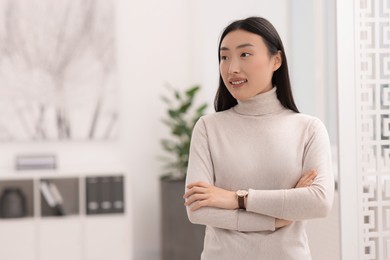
column 261, row 104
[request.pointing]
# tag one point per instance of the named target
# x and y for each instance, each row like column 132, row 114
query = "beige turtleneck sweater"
column 260, row 146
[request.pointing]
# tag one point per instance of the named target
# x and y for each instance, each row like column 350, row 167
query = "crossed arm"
column 201, row 194
column 266, row 209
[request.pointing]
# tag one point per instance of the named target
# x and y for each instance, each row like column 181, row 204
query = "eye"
column 224, row 57
column 245, row 54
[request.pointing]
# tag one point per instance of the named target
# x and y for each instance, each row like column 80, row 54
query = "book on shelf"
column 117, row 194
column 92, row 205
column 104, row 194
column 53, row 197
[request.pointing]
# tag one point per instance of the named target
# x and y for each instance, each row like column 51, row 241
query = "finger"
column 307, row 176
column 312, row 176
column 302, row 182
column 198, row 184
column 194, row 190
column 196, row 197
column 199, row 204
column 307, row 181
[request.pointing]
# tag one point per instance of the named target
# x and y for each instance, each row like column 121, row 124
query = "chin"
column 242, row 97
column 242, row 94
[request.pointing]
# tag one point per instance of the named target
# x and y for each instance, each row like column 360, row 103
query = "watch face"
column 242, row 193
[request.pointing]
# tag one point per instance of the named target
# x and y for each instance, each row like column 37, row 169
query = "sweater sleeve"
column 200, row 168
column 314, row 201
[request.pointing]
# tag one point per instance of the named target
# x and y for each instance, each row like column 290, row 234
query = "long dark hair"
column 262, row 27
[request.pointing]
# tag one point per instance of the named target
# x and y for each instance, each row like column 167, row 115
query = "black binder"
column 117, row 194
column 105, row 199
column 105, row 194
column 92, row 190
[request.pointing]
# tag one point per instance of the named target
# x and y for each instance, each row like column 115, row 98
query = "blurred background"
column 81, row 86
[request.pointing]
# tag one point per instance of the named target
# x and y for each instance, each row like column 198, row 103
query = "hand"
column 279, row 223
column 201, row 194
column 305, row 181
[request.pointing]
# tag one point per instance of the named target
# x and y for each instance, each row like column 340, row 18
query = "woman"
column 257, row 168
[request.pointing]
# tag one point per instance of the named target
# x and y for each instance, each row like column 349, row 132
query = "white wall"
column 173, row 41
column 182, row 49
column 209, row 18
column 158, row 41
column 313, row 60
column 153, row 50
column 157, row 46
column 194, row 50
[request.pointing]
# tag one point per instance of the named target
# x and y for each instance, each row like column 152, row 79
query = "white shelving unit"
column 75, row 236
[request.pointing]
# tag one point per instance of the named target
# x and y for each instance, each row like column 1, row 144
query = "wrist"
column 241, row 196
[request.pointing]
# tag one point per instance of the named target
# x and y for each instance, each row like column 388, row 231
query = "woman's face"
column 246, row 66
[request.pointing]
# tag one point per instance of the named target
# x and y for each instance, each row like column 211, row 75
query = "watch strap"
column 241, row 202
column 241, row 195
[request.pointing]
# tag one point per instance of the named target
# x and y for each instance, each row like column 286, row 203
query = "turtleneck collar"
column 261, row 104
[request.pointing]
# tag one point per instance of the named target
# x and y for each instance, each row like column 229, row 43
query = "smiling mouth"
column 238, row 82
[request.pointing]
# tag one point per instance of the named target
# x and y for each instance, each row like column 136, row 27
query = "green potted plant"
column 180, row 238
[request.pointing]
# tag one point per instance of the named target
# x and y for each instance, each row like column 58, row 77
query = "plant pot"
column 181, row 240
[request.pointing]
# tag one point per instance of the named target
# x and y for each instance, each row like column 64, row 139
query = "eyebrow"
column 238, row 47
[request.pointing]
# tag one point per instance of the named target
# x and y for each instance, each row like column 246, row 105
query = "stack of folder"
column 105, row 194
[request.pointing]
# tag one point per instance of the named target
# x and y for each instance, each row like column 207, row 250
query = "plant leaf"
column 166, row 100
column 192, row 91
column 177, row 95
column 182, row 115
column 173, row 113
column 184, row 107
column 200, row 110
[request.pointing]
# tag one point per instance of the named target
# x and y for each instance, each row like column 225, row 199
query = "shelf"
column 104, row 194
column 17, row 234
column 98, row 246
column 16, row 198
column 63, row 235
column 42, row 233
column 68, row 189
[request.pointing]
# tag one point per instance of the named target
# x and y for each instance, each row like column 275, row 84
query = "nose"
column 234, row 66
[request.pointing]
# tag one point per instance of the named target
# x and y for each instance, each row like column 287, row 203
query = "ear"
column 277, row 61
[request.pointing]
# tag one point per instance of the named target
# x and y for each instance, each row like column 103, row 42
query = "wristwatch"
column 241, row 195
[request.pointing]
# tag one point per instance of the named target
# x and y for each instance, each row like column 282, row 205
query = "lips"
column 237, row 82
